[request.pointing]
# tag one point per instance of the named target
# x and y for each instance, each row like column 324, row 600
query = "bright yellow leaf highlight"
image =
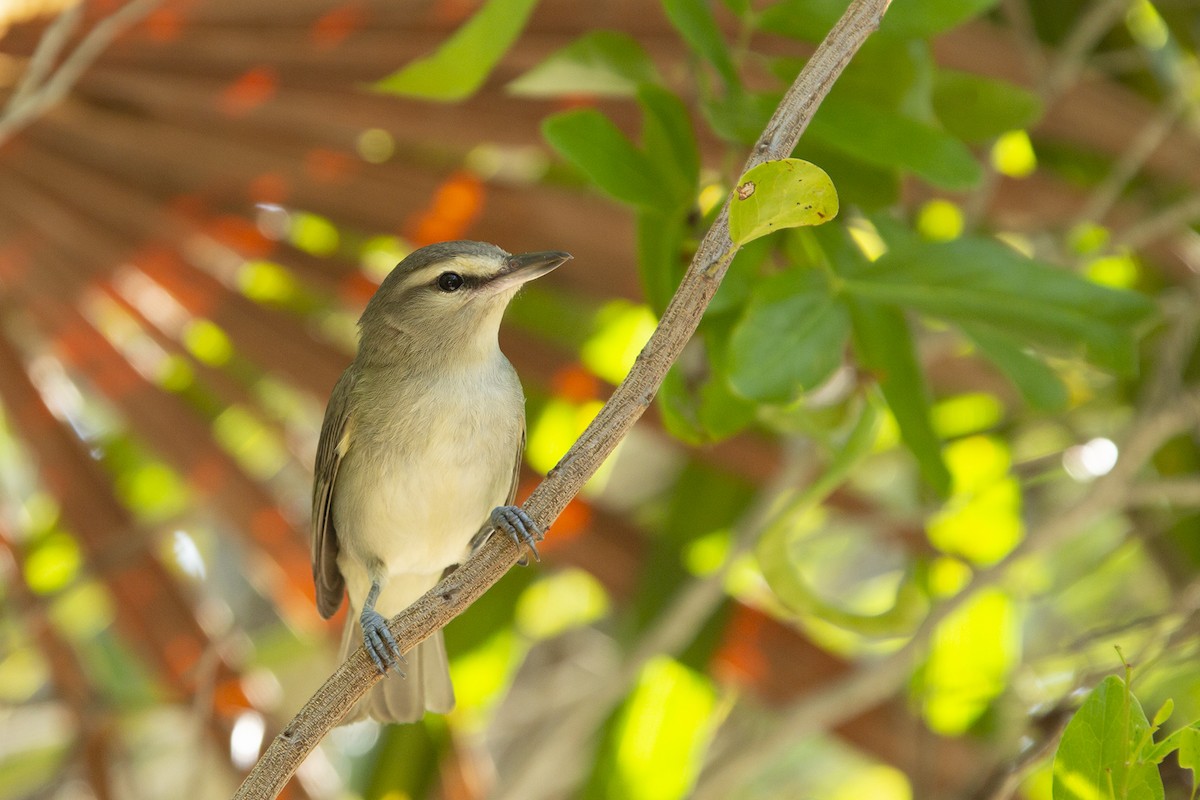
column 313, row 234
column 1146, row 26
column 866, row 237
column 255, row 447
column 83, row 610
column 947, row 576
column 940, row 221
column 380, row 254
column 877, row 782
column 622, row 329
column 39, row 511
column 206, row 341
column 175, row 373
column 266, row 282
column 973, row 652
column 706, row 554
column 662, row 733
column 1013, row 155
column 1118, row 271
column 555, row 430
column 981, row 521
column 152, row 490
column 966, row 413
column 480, row 674
column 22, row 673
column 710, row 196
column 562, row 601
column 53, row 563
column 1088, row 237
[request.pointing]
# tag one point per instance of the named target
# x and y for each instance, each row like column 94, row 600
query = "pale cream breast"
column 425, row 471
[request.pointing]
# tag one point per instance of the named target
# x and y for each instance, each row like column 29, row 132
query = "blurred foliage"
column 887, row 404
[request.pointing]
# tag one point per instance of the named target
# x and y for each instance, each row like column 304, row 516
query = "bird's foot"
column 519, row 526
column 381, row 645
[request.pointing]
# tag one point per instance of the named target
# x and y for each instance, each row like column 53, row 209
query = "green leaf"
column 774, row 195
column 694, row 21
column 790, row 338
column 458, row 68
column 896, row 74
column 740, row 278
column 810, row 20
column 1173, row 742
column 600, row 63
column 867, row 186
column 740, row 116
column 980, row 281
column 885, row 347
column 884, row 137
column 660, row 243
column 1036, row 381
column 1163, row 714
column 597, row 148
column 702, row 414
column 976, row 109
column 1189, row 751
column 669, row 142
column 1095, row 756
column 971, row 660
column 781, row 567
column 925, row 18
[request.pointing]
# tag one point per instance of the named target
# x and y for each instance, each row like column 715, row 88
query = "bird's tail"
column 425, row 687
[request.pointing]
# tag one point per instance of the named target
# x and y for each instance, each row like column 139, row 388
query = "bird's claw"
column 519, row 526
column 380, row 644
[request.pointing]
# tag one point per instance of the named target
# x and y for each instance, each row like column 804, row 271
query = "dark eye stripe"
column 451, row 282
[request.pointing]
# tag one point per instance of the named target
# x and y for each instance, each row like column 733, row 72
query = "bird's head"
column 449, row 295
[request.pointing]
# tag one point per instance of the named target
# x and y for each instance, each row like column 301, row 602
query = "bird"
column 418, row 457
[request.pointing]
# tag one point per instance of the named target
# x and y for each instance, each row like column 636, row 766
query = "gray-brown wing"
column 486, row 529
column 336, row 433
column 516, row 475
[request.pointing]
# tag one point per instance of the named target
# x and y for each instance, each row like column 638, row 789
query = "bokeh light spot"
column 1013, row 155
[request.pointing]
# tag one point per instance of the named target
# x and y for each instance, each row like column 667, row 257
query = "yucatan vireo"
column 419, row 456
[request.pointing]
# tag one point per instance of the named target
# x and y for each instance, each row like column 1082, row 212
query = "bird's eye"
column 450, row 281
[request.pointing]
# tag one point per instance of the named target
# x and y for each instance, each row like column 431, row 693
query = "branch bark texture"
column 456, row 592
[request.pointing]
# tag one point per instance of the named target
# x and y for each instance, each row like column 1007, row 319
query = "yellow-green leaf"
column 458, row 68
column 780, row 194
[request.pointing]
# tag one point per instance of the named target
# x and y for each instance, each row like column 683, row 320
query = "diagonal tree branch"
column 630, row 399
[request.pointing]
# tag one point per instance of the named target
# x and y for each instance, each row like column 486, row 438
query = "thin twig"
column 46, row 53
column 1184, row 492
column 1168, row 222
column 630, row 399
column 1147, row 140
column 1050, row 77
column 31, row 101
column 1084, row 36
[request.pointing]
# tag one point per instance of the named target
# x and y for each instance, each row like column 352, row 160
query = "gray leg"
column 520, row 528
column 380, row 643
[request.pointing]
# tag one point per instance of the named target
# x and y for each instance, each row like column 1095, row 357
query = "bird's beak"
column 525, row 267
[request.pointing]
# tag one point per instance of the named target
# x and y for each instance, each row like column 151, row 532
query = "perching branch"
column 456, row 592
